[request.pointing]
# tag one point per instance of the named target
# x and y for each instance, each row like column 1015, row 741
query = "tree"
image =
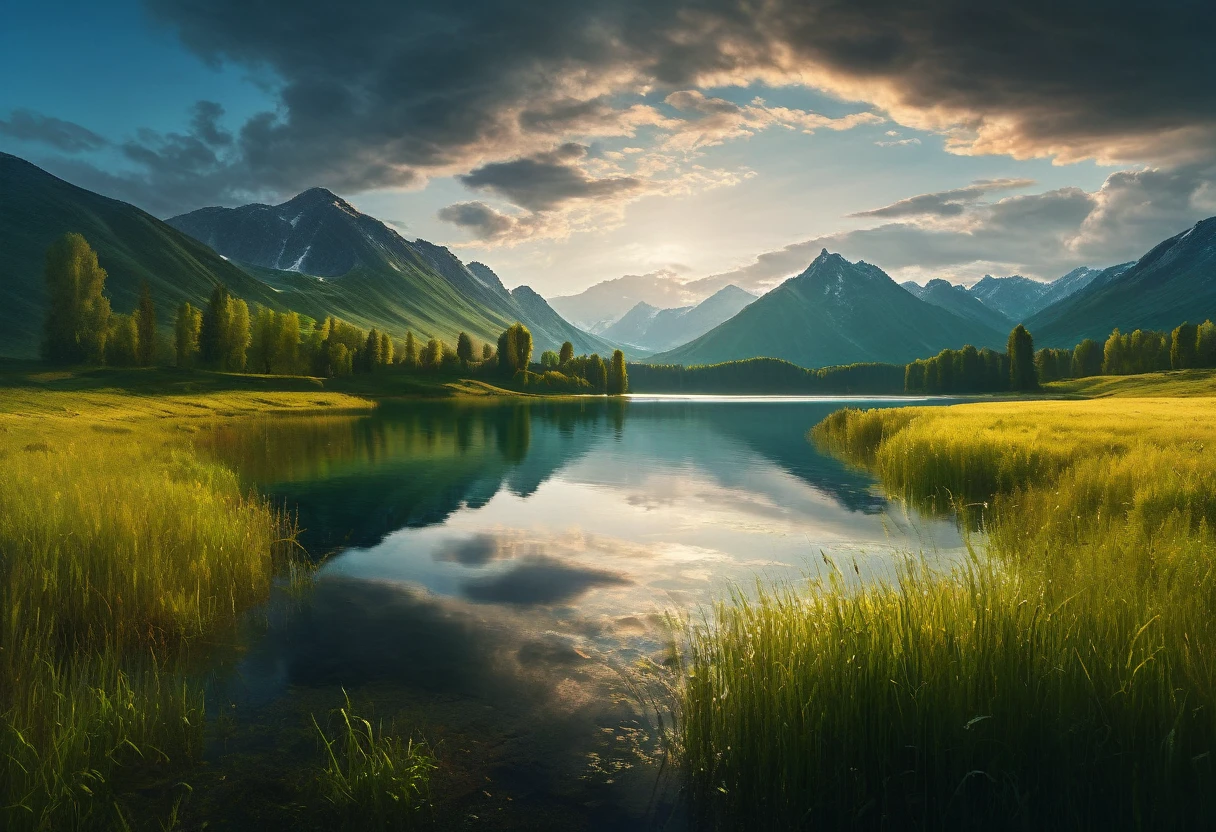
column 1205, row 345
column 78, row 311
column 1020, row 348
column 237, row 337
column 386, row 349
column 409, row 357
column 432, row 355
column 487, row 352
column 1112, row 354
column 464, row 348
column 567, row 353
column 372, row 358
column 523, row 347
column 597, row 374
column 145, row 323
column 217, row 320
column 549, row 360
column 1184, row 346
column 971, row 370
column 506, row 353
column 618, row 379
column 1087, row 359
column 122, row 341
column 186, row 331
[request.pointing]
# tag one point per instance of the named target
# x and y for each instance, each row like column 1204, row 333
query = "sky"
column 692, row 144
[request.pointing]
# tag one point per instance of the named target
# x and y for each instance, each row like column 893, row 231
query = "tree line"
column 971, row 370
column 767, row 376
column 81, row 328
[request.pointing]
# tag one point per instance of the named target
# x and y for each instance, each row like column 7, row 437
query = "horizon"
column 931, row 144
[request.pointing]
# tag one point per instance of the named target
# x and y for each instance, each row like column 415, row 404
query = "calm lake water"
column 497, row 578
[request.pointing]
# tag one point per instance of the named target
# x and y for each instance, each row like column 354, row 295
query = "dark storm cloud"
column 28, row 126
column 544, row 181
column 379, row 92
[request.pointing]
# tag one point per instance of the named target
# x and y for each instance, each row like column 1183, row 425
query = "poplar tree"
column 371, row 351
column 619, row 384
column 386, row 349
column 1184, row 346
column 78, row 311
column 186, row 332
column 464, row 348
column 410, row 356
column 145, row 322
column 566, row 354
column 1022, row 375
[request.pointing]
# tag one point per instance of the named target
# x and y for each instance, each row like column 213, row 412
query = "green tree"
column 567, row 353
column 1205, row 345
column 217, row 321
column 506, row 352
column 145, row 322
column 1184, row 346
column 487, row 352
column 618, row 377
column 238, row 336
column 549, row 360
column 1022, row 375
column 186, row 332
column 432, row 355
column 971, row 369
column 409, row 356
column 122, row 341
column 1087, row 359
column 78, row 311
column 371, row 351
column 464, row 348
column 386, row 349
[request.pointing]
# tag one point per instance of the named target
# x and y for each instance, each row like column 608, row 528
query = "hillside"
column 1174, row 282
column 133, row 246
column 324, row 254
column 957, row 299
column 835, row 312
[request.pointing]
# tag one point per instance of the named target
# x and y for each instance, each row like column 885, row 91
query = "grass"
column 1064, row 676
column 1172, row 383
column 371, row 778
column 123, row 556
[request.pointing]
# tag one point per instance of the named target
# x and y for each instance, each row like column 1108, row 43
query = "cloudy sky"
column 565, row 143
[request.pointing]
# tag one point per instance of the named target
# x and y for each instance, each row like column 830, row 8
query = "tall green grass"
column 122, row 555
column 1064, row 676
column 371, row 778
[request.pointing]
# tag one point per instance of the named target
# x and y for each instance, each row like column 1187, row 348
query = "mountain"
column 133, row 246
column 1015, row 297
column 599, row 306
column 835, row 312
column 914, row 287
column 632, row 327
column 326, row 256
column 957, row 299
column 664, row 329
column 1069, row 284
column 1174, row 282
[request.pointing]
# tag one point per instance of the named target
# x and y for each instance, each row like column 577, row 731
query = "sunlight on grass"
column 121, row 553
column 1064, row 677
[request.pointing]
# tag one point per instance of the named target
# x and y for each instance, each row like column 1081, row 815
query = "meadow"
column 127, row 560
column 1064, row 676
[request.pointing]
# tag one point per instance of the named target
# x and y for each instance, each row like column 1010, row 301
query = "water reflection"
column 517, row 561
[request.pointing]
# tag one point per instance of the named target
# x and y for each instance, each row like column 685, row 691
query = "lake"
column 500, row 578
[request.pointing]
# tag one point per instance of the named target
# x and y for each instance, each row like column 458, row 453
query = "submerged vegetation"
column 1064, row 676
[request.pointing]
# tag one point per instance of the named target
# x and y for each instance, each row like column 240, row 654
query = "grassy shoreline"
column 1063, row 677
column 126, row 558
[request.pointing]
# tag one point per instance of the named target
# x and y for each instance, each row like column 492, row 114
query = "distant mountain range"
column 956, row 299
column 314, row 254
column 836, row 312
column 656, row 329
column 1018, row 298
column 600, row 306
column 1173, row 283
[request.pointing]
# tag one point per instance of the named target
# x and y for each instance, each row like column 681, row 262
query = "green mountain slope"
column 1174, row 282
column 132, row 246
column 835, row 312
column 322, row 253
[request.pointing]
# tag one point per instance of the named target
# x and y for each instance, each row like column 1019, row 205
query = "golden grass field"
column 1064, row 677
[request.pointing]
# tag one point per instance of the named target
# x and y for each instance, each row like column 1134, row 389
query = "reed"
column 123, row 555
column 1063, row 676
column 371, row 778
